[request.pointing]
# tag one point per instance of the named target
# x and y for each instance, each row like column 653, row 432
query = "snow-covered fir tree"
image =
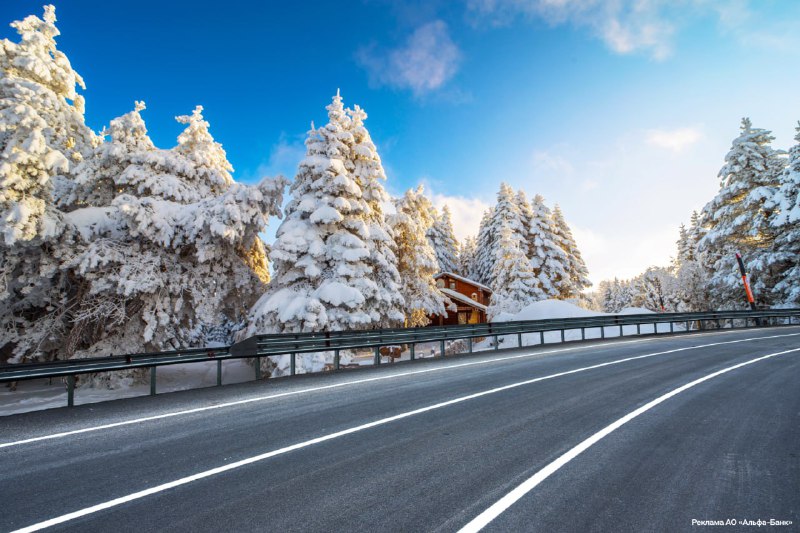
column 656, row 289
column 480, row 269
column 526, row 217
column 370, row 175
column 42, row 137
column 443, row 240
column 504, row 214
column 785, row 255
column 548, row 258
column 323, row 257
column 616, row 295
column 738, row 218
column 466, row 257
column 577, row 278
column 516, row 283
column 175, row 252
column 416, row 259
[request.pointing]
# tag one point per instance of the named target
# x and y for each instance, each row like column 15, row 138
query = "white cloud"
column 466, row 212
column 675, row 140
column 425, row 62
column 625, row 26
column 552, row 164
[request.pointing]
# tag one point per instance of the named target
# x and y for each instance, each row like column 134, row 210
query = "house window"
column 463, row 317
column 440, row 283
column 453, row 285
column 475, row 296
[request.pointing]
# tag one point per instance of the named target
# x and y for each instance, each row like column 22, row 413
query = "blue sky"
column 620, row 111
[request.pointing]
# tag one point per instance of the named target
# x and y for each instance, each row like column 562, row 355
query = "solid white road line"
column 381, row 378
column 483, row 519
column 250, row 460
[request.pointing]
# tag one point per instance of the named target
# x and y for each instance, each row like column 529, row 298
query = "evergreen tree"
column 466, row 257
column 324, row 255
column 786, row 253
column 547, row 256
column 577, row 278
column 443, row 241
column 483, row 264
column 42, row 136
column 387, row 303
column 505, row 214
column 416, row 259
column 175, row 252
column 737, row 219
column 516, row 284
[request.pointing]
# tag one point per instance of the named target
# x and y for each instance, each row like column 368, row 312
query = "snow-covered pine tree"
column 515, row 283
column 466, row 257
column 42, row 135
column 416, row 260
column 170, row 243
column 547, row 256
column 786, row 252
column 617, row 295
column 323, row 267
column 443, row 240
column 691, row 276
column 387, row 303
column 526, row 217
column 577, row 278
column 737, row 219
column 504, row 213
column 656, row 289
column 483, row 262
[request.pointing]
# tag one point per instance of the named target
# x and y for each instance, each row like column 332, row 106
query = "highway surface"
column 669, row 433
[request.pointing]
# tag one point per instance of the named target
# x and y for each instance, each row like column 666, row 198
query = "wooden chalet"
column 470, row 300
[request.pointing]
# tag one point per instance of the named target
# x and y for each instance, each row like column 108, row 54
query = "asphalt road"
column 432, row 445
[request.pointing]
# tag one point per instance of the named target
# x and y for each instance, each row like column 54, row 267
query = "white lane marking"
column 381, row 378
column 250, row 460
column 483, row 519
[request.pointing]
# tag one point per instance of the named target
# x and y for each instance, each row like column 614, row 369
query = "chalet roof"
column 463, row 299
column 461, row 278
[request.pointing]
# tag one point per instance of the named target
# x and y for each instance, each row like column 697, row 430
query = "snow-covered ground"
column 44, row 394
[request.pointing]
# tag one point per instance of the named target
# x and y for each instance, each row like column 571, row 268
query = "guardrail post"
column 413, row 354
column 377, row 356
column 469, row 344
column 258, row 368
column 219, row 372
column 496, row 343
column 519, row 340
column 671, row 326
column 71, row 390
column 638, row 329
column 336, row 359
column 153, row 381
column 292, row 364
column 562, row 336
column 688, row 326
column 655, row 328
column 583, row 334
column 620, row 331
column 441, row 348
column 541, row 337
column 602, row 332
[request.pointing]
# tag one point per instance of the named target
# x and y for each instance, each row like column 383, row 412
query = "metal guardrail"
column 301, row 343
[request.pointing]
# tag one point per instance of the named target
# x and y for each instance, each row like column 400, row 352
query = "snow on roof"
column 463, row 299
column 461, row 278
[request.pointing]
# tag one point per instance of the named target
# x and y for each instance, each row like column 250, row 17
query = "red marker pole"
column 746, row 283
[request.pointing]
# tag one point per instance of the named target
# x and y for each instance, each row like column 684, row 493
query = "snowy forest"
column 113, row 245
column 756, row 213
